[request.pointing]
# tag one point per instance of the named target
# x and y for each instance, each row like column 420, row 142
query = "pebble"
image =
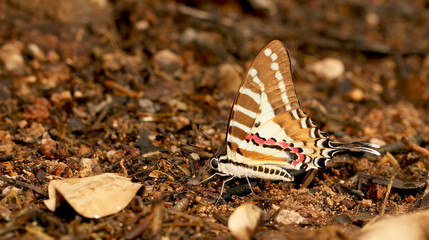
column 168, row 62
column 377, row 141
column 229, row 77
column 36, row 52
column 11, row 56
column 194, row 156
column 328, row 68
column 59, row 99
column 357, row 95
column 48, row 148
column 290, row 217
column 147, row 106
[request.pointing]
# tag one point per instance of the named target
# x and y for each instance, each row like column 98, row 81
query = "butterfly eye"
column 214, row 163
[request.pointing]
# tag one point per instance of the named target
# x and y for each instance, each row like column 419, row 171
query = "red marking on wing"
column 300, row 159
column 271, row 142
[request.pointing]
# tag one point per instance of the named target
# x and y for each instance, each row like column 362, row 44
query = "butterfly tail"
column 356, row 147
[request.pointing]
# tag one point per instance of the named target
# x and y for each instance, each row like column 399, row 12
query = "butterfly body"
column 268, row 134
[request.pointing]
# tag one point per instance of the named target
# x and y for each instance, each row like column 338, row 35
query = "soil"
column 90, row 87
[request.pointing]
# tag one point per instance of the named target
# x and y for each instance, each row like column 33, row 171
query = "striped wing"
column 266, row 124
column 266, row 91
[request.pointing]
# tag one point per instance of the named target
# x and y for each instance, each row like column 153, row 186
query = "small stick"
column 308, row 178
column 383, row 206
column 389, row 187
column 417, row 148
column 24, row 184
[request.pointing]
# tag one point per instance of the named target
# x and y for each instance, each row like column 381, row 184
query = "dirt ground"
column 91, row 87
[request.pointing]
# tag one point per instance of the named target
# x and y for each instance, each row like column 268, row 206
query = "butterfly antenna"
column 206, row 137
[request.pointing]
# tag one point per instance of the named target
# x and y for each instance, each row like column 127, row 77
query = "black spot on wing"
column 277, row 111
column 273, row 146
column 308, row 122
column 323, row 134
column 257, row 134
column 321, row 162
column 293, row 156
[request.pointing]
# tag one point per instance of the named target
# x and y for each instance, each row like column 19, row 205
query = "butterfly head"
column 216, row 162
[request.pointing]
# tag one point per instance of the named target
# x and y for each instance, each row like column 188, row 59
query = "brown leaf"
column 93, row 197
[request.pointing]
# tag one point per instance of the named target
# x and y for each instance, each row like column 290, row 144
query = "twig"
column 383, row 206
column 214, row 226
column 389, row 187
column 6, row 158
column 24, row 184
column 308, row 178
column 417, row 148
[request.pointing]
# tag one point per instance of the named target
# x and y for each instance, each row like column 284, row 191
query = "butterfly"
column 268, row 135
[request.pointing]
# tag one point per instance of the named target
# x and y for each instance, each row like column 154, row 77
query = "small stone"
column 377, row 141
column 290, row 217
column 343, row 218
column 59, row 99
column 178, row 105
column 141, row 25
column 147, row 105
column 75, row 124
column 194, row 156
column 372, row 19
column 168, row 62
column 78, row 95
column 188, row 36
column 357, row 95
column 48, row 148
column 193, row 182
column 229, row 77
column 267, row 7
column 328, row 68
column 52, row 56
column 11, row 56
column 22, row 123
column 39, row 110
column 181, row 122
column 113, row 156
column 36, row 52
column 244, row 220
column 89, row 167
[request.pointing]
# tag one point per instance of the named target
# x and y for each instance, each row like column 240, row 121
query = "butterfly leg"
column 223, row 185
column 250, row 185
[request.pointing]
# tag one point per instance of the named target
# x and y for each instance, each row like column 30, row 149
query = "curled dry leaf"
column 93, row 197
column 157, row 174
column 408, row 226
column 244, row 220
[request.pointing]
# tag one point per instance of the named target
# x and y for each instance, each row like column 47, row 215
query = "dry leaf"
column 407, row 226
column 93, row 197
column 157, row 174
column 244, row 220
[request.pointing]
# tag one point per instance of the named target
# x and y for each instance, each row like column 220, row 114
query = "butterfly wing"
column 266, row 123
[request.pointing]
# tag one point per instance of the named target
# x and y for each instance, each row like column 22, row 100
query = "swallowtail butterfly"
column 268, row 135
